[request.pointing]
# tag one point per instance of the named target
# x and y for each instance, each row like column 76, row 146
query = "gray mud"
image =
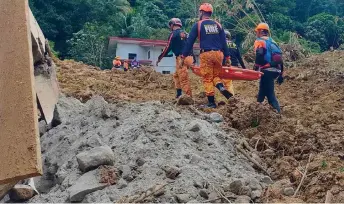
column 149, row 138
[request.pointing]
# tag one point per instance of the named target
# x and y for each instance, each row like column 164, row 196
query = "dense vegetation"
column 79, row 28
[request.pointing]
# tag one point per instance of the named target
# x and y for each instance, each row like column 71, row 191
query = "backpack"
column 273, row 53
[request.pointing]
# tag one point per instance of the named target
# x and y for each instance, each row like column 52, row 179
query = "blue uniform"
column 176, row 44
column 212, row 37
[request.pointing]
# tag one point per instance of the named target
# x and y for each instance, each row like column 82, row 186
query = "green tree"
column 325, row 29
column 89, row 44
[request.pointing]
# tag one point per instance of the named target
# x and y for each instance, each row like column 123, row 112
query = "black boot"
column 211, row 103
column 224, row 91
column 179, row 93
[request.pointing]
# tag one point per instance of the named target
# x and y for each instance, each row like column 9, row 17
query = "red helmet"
column 175, row 21
column 206, row 7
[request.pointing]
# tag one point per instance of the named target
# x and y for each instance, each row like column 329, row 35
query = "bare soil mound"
column 311, row 125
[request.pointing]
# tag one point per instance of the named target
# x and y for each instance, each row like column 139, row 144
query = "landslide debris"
column 160, row 154
column 311, row 123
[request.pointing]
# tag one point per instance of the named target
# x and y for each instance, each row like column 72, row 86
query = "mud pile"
column 153, row 144
column 312, row 123
column 82, row 82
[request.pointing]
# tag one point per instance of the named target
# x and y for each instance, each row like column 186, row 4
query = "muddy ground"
column 309, row 129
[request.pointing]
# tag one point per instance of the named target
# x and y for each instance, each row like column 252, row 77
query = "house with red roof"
column 146, row 52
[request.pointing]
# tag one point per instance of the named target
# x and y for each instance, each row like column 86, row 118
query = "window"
column 149, row 54
column 166, row 72
column 132, row 56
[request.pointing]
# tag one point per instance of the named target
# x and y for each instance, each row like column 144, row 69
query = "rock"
column 194, row 126
column 242, row 199
column 126, row 173
column 198, row 184
column 140, row 161
column 256, row 194
column 172, row 172
column 183, row 198
column 86, row 184
column 267, row 180
column 185, row 100
column 106, row 113
column 213, row 195
column 43, row 128
column 236, row 186
column 204, row 194
column 122, row 184
column 95, row 157
column 21, row 192
column 216, row 117
column 254, row 184
column 193, row 201
column 245, row 190
column 195, row 159
column 288, row 191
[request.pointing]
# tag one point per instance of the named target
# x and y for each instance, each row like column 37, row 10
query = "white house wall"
column 124, row 49
column 167, row 63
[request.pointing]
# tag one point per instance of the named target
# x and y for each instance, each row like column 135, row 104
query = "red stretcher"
column 234, row 73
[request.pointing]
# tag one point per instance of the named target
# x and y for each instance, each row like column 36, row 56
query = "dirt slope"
column 312, row 122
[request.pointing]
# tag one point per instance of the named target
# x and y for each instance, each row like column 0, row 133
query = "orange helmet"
column 262, row 26
column 206, row 7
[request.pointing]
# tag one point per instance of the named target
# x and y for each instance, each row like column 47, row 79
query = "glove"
column 157, row 63
column 228, row 61
column 280, row 79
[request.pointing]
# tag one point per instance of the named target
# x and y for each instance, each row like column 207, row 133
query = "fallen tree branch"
column 304, row 176
column 242, row 151
column 220, row 194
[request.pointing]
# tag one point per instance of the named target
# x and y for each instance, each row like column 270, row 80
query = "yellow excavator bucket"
column 46, row 84
column 27, row 81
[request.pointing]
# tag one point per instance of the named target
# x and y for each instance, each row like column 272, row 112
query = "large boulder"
column 86, row 184
column 21, row 192
column 95, row 157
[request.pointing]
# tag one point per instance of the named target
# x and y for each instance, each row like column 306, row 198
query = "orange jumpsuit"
column 117, row 63
column 211, row 65
column 181, row 76
column 176, row 43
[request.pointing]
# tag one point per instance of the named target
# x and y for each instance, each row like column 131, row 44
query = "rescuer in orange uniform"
column 213, row 50
column 269, row 61
column 117, row 63
column 176, row 43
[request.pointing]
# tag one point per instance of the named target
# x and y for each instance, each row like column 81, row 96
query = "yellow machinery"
column 27, row 81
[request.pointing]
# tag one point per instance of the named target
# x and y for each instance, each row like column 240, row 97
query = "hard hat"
column 206, row 7
column 228, row 34
column 175, row 21
column 262, row 26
